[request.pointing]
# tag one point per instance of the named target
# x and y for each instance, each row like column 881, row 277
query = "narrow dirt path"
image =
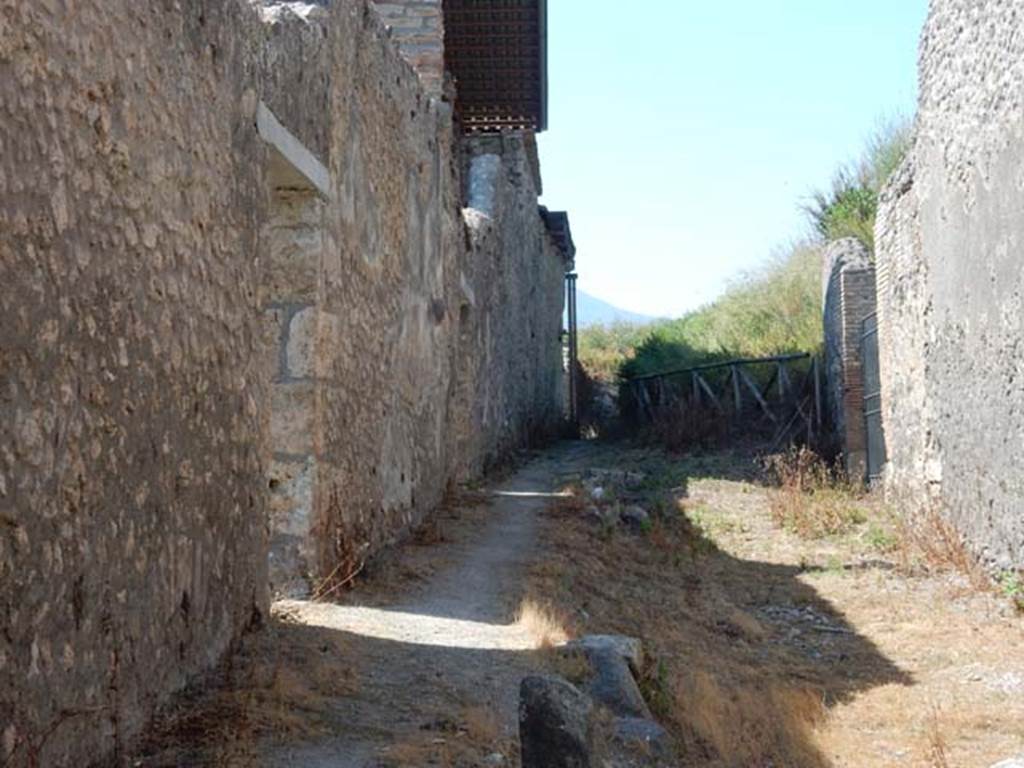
column 441, row 652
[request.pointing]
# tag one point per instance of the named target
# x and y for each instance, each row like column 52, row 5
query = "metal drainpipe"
column 574, row 412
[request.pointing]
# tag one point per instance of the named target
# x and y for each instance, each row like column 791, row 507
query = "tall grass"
column 773, row 310
column 603, row 348
column 850, row 207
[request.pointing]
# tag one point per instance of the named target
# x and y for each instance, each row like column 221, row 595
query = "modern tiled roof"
column 496, row 51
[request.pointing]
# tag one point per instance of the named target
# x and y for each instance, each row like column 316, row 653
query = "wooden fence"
column 754, row 395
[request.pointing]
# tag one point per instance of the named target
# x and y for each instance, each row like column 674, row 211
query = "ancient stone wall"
column 509, row 362
column 849, row 297
column 951, row 283
column 132, row 510
column 245, row 315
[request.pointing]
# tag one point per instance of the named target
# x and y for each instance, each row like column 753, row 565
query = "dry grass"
column 813, row 500
column 937, row 752
column 544, row 623
column 570, row 502
column 737, row 721
column 572, row 665
column 462, row 742
column 930, row 543
column 281, row 684
column 768, row 648
column 680, row 429
column 707, row 676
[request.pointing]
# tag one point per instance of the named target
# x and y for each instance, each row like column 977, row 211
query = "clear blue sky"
column 684, row 134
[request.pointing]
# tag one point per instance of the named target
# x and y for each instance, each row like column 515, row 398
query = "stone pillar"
column 294, row 238
column 298, row 338
column 849, row 298
column 418, row 27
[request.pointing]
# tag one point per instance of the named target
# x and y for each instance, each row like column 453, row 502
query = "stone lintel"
column 296, row 163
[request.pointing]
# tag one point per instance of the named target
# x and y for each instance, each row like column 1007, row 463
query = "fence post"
column 736, row 389
column 817, row 394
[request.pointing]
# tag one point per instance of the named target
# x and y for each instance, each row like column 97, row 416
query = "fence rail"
column 789, row 401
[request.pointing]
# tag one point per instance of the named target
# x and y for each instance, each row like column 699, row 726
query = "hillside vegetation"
column 773, row 310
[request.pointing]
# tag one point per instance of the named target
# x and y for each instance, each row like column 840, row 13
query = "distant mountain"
column 594, row 311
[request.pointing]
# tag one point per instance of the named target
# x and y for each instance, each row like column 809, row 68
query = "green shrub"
column 775, row 310
column 850, row 207
column 603, row 348
column 772, row 311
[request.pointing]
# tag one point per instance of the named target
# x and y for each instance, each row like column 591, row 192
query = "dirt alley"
column 765, row 649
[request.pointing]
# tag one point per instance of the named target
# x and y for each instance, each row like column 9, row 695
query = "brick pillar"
column 418, row 27
column 849, row 297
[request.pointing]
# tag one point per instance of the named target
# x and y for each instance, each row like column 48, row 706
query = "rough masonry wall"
column 510, row 388
column 132, row 520
column 849, row 298
column 444, row 408
column 951, row 283
column 206, row 362
column 389, row 283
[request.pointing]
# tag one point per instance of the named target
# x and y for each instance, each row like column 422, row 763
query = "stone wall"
column 418, row 26
column 132, row 509
column 951, row 284
column 849, row 298
column 244, row 314
column 509, row 362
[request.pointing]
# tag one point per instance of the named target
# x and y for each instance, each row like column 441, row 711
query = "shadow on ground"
column 745, row 658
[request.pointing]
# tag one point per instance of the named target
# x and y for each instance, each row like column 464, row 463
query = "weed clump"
column 544, row 624
column 813, row 500
column 1011, row 584
column 929, row 543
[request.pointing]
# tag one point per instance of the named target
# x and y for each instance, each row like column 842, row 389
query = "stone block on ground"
column 629, row 648
column 613, row 685
column 556, row 727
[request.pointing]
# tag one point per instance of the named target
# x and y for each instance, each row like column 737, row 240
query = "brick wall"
column 418, row 26
column 849, row 297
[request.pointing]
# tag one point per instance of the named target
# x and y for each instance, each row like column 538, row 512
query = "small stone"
column 1013, row 762
column 555, row 724
column 602, row 515
column 636, row 517
column 495, row 758
column 643, row 739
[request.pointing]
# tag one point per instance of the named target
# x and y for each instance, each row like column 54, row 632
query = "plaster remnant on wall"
column 484, row 172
